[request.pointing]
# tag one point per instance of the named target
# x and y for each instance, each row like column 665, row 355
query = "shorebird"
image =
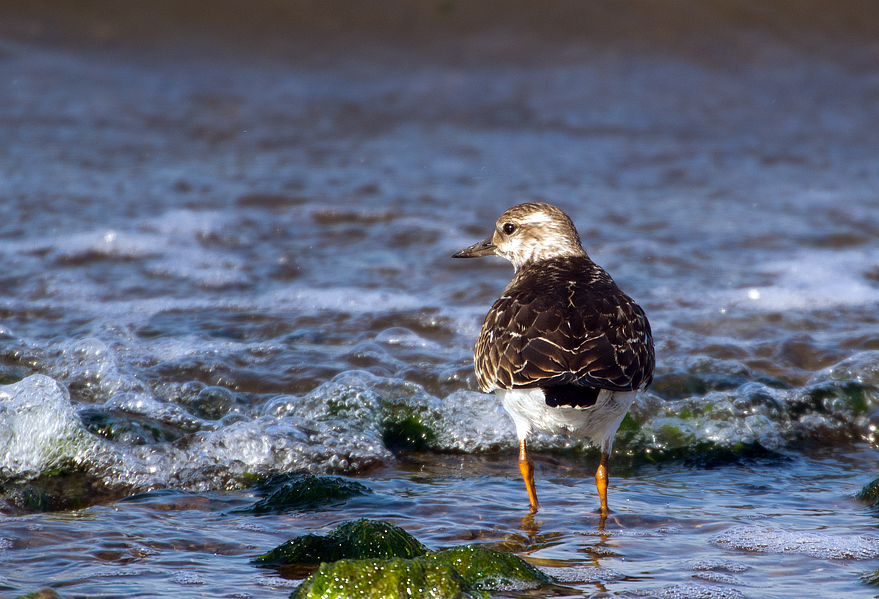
column 563, row 348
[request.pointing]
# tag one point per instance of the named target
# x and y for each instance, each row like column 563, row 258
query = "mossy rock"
column 10, row 376
column 490, row 570
column 410, row 433
column 871, row 578
column 838, row 396
column 870, row 493
column 129, row 429
column 386, row 579
column 355, row 539
column 57, row 490
column 373, row 559
column 287, row 493
column 466, row 571
column 46, row 593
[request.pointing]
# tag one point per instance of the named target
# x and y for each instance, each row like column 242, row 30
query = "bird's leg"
column 601, row 482
column 526, row 467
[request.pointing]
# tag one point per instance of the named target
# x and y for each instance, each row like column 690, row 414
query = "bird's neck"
column 542, row 254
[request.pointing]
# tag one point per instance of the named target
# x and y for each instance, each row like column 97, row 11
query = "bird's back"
column 562, row 324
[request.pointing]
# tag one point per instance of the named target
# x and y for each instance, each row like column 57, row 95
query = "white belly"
column 598, row 423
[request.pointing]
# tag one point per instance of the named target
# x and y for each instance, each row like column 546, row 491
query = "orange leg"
column 601, row 482
column 526, row 466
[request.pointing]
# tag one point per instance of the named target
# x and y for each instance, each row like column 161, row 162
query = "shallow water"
column 227, row 256
column 677, row 532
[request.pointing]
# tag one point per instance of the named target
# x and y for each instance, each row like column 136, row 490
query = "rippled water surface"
column 226, row 244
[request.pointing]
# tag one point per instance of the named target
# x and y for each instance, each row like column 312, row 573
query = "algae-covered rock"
column 871, row 578
column 355, row 539
column 9, row 376
column 46, row 593
column 54, row 491
column 376, row 560
column 407, row 433
column 288, row 493
column 870, row 493
column 129, row 429
column 467, row 571
column 386, row 579
column 490, row 570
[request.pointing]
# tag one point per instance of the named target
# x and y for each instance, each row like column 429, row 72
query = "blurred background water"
column 226, row 230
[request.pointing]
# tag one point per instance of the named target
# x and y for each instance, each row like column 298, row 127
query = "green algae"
column 870, row 493
column 488, row 569
column 843, row 397
column 9, row 376
column 407, row 424
column 385, row 579
column 59, row 489
column 128, row 428
column 403, row 415
column 466, row 571
column 871, row 578
column 410, row 433
column 46, row 593
column 355, row 539
column 300, row 492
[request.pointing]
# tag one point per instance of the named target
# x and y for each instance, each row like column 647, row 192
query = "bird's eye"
column 509, row 228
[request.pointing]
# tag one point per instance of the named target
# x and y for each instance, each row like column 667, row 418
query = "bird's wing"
column 573, row 333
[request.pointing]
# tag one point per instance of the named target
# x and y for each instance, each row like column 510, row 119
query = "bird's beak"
column 486, row 247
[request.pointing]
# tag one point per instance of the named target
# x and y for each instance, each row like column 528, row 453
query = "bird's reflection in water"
column 587, row 567
column 530, row 525
column 536, row 539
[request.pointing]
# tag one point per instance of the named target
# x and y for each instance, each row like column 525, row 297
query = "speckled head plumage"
column 528, row 233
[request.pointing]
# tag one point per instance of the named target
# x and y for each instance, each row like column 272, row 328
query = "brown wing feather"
column 564, row 322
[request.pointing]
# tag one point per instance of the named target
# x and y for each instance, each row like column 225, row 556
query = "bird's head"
column 529, row 233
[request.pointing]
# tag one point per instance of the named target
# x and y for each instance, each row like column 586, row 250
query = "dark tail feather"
column 572, row 396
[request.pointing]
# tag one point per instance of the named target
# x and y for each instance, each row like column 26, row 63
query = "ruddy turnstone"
column 563, row 348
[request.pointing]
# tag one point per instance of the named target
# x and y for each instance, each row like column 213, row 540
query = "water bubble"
column 862, row 368
column 716, row 577
column 814, row 544
column 39, row 429
column 187, row 578
column 717, row 565
column 587, row 574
